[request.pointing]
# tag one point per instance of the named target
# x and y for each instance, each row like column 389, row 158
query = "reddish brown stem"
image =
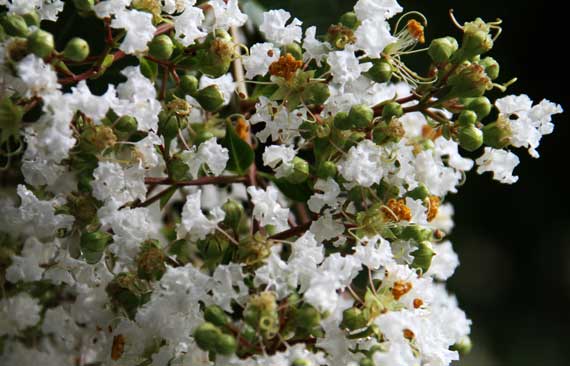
column 196, row 182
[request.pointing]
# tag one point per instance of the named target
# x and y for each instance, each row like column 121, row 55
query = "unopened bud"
column 353, row 319
column 14, row 25
column 234, row 213
column 391, row 110
column 294, row 49
column 213, row 249
column 491, row 66
column 423, row 256
column 469, row 81
column 189, row 84
column 481, row 105
column 206, row 336
column 126, row 124
column 225, row 345
column 177, row 168
column 93, row 245
column 32, row 19
column 161, row 47
column 464, row 345
column 476, row 38
column 415, row 232
column 342, row 121
column 327, row 169
column 215, row 60
column 366, row 362
column 300, row 171
column 470, row 138
column 150, row 261
column 441, row 49
column 77, row 49
column 210, row 98
column 350, row 20
column 380, row 72
column 360, row 115
column 216, row 315
column 168, row 127
column 421, row 192
column 467, row 118
column 316, row 93
column 301, row 362
column 307, row 317
column 84, row 5
column 497, row 134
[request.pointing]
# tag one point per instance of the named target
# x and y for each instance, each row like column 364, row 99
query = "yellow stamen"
column 401, row 288
column 433, row 207
column 242, row 129
column 285, row 67
column 118, row 347
column 397, row 210
column 416, row 30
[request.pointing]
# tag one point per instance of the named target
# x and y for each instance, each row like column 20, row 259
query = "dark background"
column 513, row 241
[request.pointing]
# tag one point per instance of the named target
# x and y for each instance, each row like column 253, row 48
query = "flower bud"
column 300, row 171
column 189, row 84
column 216, row 315
column 234, row 213
column 10, row 118
column 201, row 137
column 421, row 192
column 307, row 317
column 391, row 131
column 441, row 49
column 342, row 121
column 467, row 118
column 210, row 98
column 294, row 49
column 380, row 72
column 353, row 319
column 128, row 292
column 150, row 261
column 415, row 232
column 470, row 138
column 468, row 81
column 77, row 49
column 481, row 105
column 83, row 5
column 14, row 25
column 360, row 115
column 476, row 38
column 32, row 19
column 349, row 20
column 168, row 126
column 323, row 131
column 491, row 66
column 213, row 249
column 301, row 362
column 497, row 134
column 93, row 245
column 126, row 124
column 161, row 47
column 97, row 138
column 177, row 168
column 327, row 169
column 225, row 345
column 216, row 59
column 423, row 256
column 206, row 336
column 464, row 345
column 391, row 110
column 366, row 362
column 316, row 93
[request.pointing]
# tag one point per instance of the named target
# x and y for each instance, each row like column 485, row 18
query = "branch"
column 299, row 229
column 196, row 182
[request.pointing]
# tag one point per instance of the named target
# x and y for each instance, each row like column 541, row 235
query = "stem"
column 196, row 182
column 292, row 232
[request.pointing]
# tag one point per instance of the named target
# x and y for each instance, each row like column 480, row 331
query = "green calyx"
column 442, row 49
column 210, row 98
column 216, row 57
column 360, row 115
column 77, row 49
column 470, row 137
column 216, row 315
column 188, row 84
column 380, row 72
column 468, row 81
column 481, row 105
column 161, row 47
column 234, row 213
column 476, row 38
column 497, row 134
column 93, row 245
column 423, row 256
column 299, row 172
column 392, row 110
column 14, row 25
column 151, row 261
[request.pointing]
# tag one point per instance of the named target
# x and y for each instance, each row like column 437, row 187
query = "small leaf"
column 167, row 196
column 148, row 68
column 241, row 154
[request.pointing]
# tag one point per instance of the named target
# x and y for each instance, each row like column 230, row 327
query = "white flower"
column 279, row 158
column 500, row 162
column 105, row 9
column 39, row 78
column 325, row 228
column 261, row 55
column 27, row 266
column 329, row 196
column 18, row 313
column 372, row 36
column 363, row 164
column 314, row 49
column 345, row 66
column 138, row 25
column 444, row 262
column 266, row 208
column 275, row 30
column 112, row 182
column 374, row 252
column 94, row 106
column 146, row 148
column 280, row 124
column 188, row 24
column 373, row 9
column 194, row 222
column 227, row 14
column 210, row 153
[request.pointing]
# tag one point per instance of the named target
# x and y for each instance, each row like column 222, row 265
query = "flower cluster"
column 218, row 203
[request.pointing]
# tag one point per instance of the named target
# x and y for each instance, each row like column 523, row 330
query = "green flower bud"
column 202, row 136
column 353, row 319
column 391, row 130
column 468, row 81
column 210, row 98
column 380, row 72
column 497, row 134
column 350, row 20
column 464, row 345
column 327, row 169
column 423, row 256
column 215, row 60
column 492, row 67
column 248, row 333
column 316, row 93
column 300, row 171
column 177, row 168
column 128, row 292
column 126, row 124
column 301, row 362
column 294, row 49
column 307, row 317
column 14, row 25
column 360, row 115
column 189, row 84
column 84, row 5
column 342, row 121
column 467, row 118
column 415, row 232
column 421, row 192
column 476, row 38
column 441, row 49
column 216, row 315
column 150, row 261
column 234, row 213
column 213, row 249
column 482, row 106
column 470, row 138
column 32, row 19
column 93, row 245
column 391, row 110
column 366, row 362
column 225, row 345
column 161, row 47
column 77, row 49
column 207, row 336
column 168, row 127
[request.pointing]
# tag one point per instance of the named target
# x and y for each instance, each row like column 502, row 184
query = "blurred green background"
column 513, row 241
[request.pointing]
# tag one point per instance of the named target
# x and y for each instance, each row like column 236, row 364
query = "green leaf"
column 167, row 196
column 10, row 119
column 241, row 154
column 148, row 68
column 297, row 192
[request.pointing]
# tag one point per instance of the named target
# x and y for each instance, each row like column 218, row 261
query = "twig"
column 196, row 182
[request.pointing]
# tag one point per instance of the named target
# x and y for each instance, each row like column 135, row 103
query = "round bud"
column 234, row 213
column 32, row 19
column 353, row 319
column 316, row 93
column 93, row 245
column 40, row 43
column 497, row 134
column 421, row 192
column 216, row 59
column 380, row 72
column 210, row 98
column 301, row 362
column 415, row 232
column 168, row 127
column 327, row 169
column 207, row 336
column 189, row 84
column 391, row 110
column 481, row 105
column 467, row 118
column 84, row 5
column 161, row 47
column 216, row 315
column 464, row 345
column 150, row 261
column 476, row 38
column 77, row 49
column 213, row 249
column 15, row 25
column 202, row 136
column 360, row 115
column 491, row 66
column 441, row 49
column 469, row 81
column 342, row 121
column 294, row 49
column 177, row 168
column 423, row 256
column 126, row 124
column 307, row 317
column 349, row 20
column 470, row 138
column 300, row 171
column 366, row 362
column 225, row 345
